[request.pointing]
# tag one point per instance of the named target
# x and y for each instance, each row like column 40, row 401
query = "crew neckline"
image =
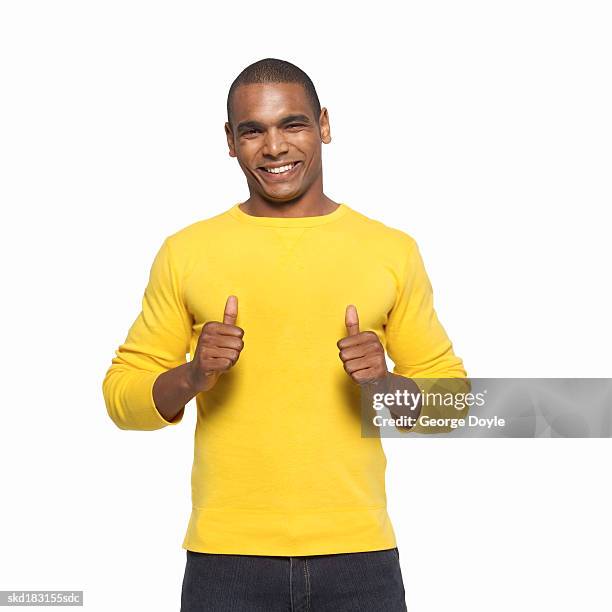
column 239, row 214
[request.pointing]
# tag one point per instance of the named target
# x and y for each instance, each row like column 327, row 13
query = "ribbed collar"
column 239, row 214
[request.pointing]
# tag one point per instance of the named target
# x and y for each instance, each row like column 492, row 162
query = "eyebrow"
column 288, row 119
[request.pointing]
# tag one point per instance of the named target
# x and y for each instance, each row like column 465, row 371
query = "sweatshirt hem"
column 289, row 533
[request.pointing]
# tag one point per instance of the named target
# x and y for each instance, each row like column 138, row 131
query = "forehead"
column 267, row 102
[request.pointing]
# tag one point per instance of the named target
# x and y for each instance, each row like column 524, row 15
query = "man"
column 285, row 303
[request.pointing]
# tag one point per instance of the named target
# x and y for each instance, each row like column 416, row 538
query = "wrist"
column 188, row 380
column 196, row 381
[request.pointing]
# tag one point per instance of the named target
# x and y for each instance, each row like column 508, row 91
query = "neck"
column 306, row 205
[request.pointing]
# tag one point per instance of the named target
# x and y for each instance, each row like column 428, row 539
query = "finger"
column 365, row 337
column 224, row 341
column 216, row 328
column 364, row 377
column 216, row 364
column 217, row 351
column 351, row 320
column 231, row 310
column 354, row 365
column 358, row 350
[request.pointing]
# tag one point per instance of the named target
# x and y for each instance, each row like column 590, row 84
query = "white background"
column 482, row 129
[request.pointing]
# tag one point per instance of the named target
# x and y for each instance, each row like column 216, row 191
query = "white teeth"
column 280, row 170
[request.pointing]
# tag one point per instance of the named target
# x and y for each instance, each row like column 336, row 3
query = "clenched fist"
column 218, row 348
column 361, row 352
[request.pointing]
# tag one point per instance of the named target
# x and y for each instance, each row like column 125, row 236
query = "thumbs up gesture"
column 362, row 353
column 218, row 348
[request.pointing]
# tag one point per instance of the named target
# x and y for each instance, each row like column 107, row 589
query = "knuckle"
column 206, row 365
column 363, row 376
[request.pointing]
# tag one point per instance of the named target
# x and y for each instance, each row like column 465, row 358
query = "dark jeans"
column 356, row 582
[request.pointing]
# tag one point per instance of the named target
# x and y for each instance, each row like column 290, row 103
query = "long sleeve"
column 157, row 341
column 417, row 342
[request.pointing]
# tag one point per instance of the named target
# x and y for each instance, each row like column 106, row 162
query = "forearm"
column 444, row 404
column 440, row 401
column 413, row 389
column 391, row 383
column 172, row 390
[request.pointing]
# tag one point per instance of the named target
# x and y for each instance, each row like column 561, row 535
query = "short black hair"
column 272, row 70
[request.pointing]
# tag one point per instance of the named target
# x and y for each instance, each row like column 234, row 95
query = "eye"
column 293, row 125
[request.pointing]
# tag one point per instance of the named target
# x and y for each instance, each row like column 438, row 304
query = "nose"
column 274, row 143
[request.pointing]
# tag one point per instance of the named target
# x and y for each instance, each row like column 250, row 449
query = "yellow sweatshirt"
column 280, row 465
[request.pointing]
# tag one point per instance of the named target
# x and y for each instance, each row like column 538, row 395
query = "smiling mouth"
column 279, row 172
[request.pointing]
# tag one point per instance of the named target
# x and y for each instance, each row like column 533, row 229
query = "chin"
column 282, row 198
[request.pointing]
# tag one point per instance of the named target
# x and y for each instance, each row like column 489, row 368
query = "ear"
column 324, row 126
column 229, row 134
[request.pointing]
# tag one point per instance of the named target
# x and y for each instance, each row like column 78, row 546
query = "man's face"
column 273, row 125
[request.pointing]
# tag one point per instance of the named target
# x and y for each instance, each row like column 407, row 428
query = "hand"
column 218, row 348
column 361, row 352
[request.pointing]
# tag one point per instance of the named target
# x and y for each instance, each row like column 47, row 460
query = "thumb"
column 351, row 320
column 231, row 310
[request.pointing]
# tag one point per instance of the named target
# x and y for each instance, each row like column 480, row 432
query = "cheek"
column 307, row 144
column 246, row 151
